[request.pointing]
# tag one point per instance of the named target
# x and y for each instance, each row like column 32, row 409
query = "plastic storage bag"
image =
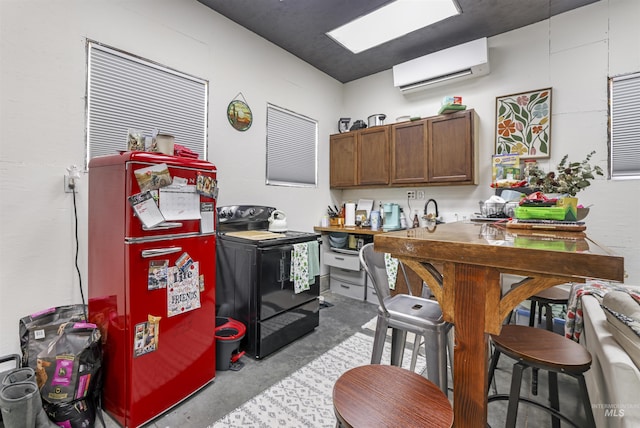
column 39, row 329
column 70, row 375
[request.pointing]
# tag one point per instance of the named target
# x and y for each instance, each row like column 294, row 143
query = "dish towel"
column 300, row 267
column 314, row 261
column 391, row 264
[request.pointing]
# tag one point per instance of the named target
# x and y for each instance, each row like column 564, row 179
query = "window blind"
column 625, row 126
column 126, row 92
column 291, row 148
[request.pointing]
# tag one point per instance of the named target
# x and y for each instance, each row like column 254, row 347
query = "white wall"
column 42, row 105
column 574, row 53
column 42, row 118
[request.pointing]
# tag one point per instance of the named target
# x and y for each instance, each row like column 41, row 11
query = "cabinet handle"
column 339, row 258
column 344, row 286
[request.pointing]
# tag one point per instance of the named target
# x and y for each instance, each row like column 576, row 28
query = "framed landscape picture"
column 523, row 124
column 239, row 115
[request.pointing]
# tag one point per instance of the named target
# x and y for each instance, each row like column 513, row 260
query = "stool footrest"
column 499, row 397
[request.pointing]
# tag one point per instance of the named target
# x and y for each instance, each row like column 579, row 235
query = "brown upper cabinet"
column 360, row 158
column 342, row 160
column 409, row 152
column 453, row 150
column 373, row 156
column 439, row 150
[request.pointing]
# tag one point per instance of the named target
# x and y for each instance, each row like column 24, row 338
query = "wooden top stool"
column 546, row 298
column 388, row 396
column 544, row 350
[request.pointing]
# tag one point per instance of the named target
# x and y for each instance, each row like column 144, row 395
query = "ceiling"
column 299, row 27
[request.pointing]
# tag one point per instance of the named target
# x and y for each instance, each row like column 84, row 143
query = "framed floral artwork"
column 523, row 124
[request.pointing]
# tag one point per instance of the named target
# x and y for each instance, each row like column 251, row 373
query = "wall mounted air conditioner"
column 453, row 64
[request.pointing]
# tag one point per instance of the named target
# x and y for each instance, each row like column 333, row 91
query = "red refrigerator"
column 152, row 279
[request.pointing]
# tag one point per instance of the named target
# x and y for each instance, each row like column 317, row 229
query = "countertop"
column 355, row 230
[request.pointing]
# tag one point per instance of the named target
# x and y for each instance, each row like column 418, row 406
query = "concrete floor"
column 232, row 388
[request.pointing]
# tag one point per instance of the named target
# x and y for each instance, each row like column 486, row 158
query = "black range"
column 253, row 279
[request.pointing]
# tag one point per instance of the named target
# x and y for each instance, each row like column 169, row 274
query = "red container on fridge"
column 152, row 286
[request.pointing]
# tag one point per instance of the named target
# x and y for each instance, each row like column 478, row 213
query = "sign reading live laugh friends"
column 183, row 289
column 239, row 114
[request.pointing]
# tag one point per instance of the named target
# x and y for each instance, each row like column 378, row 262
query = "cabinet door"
column 342, row 160
column 450, row 156
column 373, row 156
column 409, row 152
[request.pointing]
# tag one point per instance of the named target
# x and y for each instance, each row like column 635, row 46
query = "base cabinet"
column 348, row 283
column 346, row 276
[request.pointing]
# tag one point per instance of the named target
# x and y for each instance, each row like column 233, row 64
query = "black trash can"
column 228, row 335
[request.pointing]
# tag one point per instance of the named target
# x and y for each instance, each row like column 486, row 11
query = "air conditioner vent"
column 445, row 66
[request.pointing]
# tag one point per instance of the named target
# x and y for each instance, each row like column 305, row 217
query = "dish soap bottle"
column 403, row 219
column 416, row 222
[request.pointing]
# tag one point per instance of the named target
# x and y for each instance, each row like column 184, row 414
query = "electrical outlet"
column 68, row 186
column 420, row 194
column 71, row 179
column 411, row 194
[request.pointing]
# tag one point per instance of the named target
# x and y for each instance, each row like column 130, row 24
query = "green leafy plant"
column 569, row 178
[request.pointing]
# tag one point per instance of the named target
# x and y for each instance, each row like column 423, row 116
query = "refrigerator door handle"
column 156, row 252
column 163, row 226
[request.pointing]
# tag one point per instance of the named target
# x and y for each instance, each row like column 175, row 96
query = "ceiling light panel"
column 390, row 22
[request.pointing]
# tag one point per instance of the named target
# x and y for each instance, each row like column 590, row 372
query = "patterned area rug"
column 304, row 399
column 371, row 325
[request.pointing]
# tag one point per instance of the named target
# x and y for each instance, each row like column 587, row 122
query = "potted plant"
column 569, row 178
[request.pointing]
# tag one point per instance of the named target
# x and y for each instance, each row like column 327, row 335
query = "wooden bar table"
column 472, row 256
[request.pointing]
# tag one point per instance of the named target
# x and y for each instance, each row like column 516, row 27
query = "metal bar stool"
column 376, row 395
column 544, row 299
column 407, row 313
column 544, row 350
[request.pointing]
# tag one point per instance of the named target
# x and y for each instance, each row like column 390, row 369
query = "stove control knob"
column 252, row 212
column 223, row 213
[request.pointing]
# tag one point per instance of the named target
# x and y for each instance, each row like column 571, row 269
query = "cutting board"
column 557, row 226
column 256, row 235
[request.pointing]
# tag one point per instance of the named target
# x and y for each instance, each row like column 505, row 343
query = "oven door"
column 276, row 289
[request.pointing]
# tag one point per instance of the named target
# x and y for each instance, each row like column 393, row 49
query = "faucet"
column 431, row 217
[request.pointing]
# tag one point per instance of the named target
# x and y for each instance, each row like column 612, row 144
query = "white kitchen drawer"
column 348, row 289
column 340, row 260
column 348, row 275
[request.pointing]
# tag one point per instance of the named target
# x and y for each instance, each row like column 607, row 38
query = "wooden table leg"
column 475, row 290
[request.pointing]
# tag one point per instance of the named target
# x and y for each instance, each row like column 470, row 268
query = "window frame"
column 624, row 126
column 283, row 151
column 183, row 112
